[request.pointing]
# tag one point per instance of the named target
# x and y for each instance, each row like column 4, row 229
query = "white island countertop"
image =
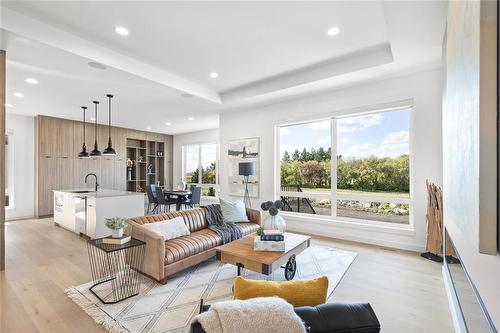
column 101, row 193
column 84, row 211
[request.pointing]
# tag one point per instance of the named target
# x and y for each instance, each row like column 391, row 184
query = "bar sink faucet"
column 96, row 183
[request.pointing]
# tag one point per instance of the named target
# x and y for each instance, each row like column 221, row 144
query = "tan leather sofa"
column 165, row 258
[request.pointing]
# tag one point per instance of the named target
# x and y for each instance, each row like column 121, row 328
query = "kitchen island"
column 83, row 211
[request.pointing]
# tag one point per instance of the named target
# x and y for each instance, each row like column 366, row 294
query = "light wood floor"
column 405, row 290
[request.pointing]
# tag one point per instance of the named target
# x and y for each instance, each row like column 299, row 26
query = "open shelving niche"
column 148, row 151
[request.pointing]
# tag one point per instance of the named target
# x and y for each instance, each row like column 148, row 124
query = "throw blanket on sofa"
column 256, row 315
column 228, row 231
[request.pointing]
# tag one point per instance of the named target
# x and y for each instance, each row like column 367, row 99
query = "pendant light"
column 109, row 151
column 83, row 153
column 95, row 152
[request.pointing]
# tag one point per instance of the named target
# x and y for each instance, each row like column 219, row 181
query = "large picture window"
column 200, row 166
column 368, row 178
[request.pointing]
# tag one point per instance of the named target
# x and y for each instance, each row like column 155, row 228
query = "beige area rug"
column 170, row 308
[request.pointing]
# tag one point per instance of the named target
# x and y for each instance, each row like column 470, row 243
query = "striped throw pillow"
column 233, row 211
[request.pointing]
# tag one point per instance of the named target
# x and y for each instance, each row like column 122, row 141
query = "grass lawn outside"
column 353, row 192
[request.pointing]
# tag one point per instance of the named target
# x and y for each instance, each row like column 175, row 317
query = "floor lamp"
column 246, row 169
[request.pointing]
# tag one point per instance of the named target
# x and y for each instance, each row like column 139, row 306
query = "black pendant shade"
column 83, row 153
column 109, row 151
column 95, row 152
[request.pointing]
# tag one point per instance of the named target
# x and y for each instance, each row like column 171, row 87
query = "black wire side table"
column 118, row 264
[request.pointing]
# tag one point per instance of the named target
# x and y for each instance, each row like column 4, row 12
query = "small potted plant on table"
column 116, row 224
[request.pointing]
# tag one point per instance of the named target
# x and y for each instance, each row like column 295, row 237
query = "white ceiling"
column 263, row 51
column 66, row 82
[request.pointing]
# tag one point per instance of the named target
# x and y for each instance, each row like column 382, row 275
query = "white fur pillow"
column 169, row 229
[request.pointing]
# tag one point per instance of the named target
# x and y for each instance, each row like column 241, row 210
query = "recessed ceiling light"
column 148, row 128
column 167, row 123
column 31, row 80
column 190, row 118
column 9, row 105
column 96, row 65
column 214, row 75
column 19, row 95
column 333, row 31
column 92, row 119
column 120, row 30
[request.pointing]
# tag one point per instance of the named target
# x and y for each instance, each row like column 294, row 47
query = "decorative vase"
column 117, row 233
column 274, row 223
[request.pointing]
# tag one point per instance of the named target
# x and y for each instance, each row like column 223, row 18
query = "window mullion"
column 184, row 158
column 200, row 168
column 333, row 166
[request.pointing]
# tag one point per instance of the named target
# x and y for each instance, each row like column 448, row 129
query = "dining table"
column 181, row 195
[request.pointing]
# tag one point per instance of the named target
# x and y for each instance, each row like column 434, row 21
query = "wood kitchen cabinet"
column 64, row 137
column 47, row 181
column 55, row 137
column 119, row 137
column 46, row 132
column 154, row 137
column 107, row 173
column 65, row 178
column 53, row 173
column 77, row 141
column 136, row 135
column 58, row 142
column 81, row 167
column 120, row 175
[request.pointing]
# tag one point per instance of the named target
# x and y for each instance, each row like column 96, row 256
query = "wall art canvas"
column 243, row 151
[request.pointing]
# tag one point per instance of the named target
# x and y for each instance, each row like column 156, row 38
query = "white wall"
column 22, row 128
column 470, row 143
column 208, row 136
column 424, row 90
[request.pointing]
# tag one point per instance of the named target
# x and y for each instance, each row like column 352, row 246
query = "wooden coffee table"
column 241, row 254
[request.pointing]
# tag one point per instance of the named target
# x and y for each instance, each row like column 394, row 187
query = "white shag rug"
column 170, row 307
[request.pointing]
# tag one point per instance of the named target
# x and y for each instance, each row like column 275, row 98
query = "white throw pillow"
column 233, row 211
column 169, row 229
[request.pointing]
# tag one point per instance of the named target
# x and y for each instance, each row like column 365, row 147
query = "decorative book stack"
column 117, row 241
column 270, row 240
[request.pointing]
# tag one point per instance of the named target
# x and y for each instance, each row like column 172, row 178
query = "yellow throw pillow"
column 298, row 293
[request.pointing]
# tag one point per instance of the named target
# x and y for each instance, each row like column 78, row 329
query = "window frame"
column 9, row 165
column 200, row 166
column 333, row 195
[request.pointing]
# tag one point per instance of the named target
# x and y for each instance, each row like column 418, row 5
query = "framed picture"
column 243, row 149
column 244, row 157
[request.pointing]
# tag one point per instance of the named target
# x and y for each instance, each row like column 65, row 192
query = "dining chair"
column 195, row 197
column 162, row 201
column 151, row 199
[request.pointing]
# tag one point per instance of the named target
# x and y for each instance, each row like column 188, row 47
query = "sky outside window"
column 208, row 155
column 192, row 160
column 384, row 134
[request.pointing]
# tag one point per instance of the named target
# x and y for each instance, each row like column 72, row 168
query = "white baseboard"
column 20, row 217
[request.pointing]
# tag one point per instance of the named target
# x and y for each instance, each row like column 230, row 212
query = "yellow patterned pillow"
column 298, row 293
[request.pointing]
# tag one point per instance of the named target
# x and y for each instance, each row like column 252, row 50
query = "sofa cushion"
column 247, row 228
column 169, row 229
column 199, row 241
column 233, row 211
column 193, row 218
column 186, row 246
